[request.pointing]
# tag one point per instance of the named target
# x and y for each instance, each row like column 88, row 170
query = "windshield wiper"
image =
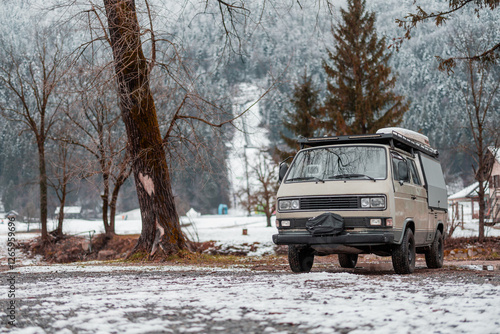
column 350, row 176
column 306, row 178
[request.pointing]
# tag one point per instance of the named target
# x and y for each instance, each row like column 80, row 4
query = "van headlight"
column 288, row 204
column 373, row 202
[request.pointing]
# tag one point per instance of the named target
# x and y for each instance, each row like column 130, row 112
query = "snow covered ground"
column 471, row 229
column 470, row 226
column 226, row 230
column 136, row 299
column 97, row 298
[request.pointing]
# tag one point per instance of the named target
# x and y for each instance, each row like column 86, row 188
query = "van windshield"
column 339, row 163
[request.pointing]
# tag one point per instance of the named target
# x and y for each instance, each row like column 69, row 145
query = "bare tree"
column 61, row 176
column 260, row 193
column 265, row 172
column 160, row 222
column 481, row 104
column 33, row 78
column 97, row 129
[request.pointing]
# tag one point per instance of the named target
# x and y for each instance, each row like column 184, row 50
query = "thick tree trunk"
column 160, row 222
column 43, row 188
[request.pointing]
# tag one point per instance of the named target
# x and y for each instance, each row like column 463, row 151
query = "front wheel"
column 403, row 256
column 348, row 260
column 435, row 255
column 301, row 259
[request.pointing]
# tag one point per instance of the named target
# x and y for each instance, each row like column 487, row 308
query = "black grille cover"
column 329, row 203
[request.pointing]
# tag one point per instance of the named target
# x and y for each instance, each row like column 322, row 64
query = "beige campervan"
column 380, row 193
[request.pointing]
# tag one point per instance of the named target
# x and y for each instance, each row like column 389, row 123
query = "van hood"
column 335, row 188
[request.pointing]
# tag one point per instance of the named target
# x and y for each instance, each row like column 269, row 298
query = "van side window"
column 397, row 160
column 395, row 172
column 414, row 173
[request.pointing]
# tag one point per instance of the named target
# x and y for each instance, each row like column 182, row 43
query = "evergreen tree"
column 303, row 121
column 359, row 97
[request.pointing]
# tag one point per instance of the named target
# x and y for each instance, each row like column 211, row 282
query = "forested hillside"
column 270, row 46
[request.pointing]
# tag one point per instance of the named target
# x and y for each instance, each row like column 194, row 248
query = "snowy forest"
column 56, row 65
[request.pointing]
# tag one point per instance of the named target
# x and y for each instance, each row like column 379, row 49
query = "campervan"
column 381, row 193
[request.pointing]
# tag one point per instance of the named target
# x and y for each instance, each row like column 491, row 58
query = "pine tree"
column 303, row 121
column 360, row 97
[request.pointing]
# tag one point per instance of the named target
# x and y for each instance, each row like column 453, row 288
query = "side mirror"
column 282, row 172
column 403, row 171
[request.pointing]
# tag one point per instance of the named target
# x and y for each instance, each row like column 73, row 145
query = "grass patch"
column 138, row 257
column 186, row 257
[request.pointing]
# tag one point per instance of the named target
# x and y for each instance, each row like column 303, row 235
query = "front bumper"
column 351, row 239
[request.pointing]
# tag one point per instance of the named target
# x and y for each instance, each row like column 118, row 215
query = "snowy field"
column 136, row 299
column 470, row 226
column 225, row 229
column 471, row 229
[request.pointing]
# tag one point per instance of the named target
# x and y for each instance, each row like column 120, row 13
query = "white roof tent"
column 393, row 138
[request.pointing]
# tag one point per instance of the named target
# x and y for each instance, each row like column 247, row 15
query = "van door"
column 409, row 197
column 419, row 195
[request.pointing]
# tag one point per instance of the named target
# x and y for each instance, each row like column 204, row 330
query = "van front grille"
column 329, row 203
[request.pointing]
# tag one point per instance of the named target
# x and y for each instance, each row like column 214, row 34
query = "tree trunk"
column 105, row 204
column 59, row 231
column 482, row 208
column 43, row 187
column 160, row 222
column 122, row 177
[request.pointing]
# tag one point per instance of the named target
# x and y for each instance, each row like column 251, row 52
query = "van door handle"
column 413, row 197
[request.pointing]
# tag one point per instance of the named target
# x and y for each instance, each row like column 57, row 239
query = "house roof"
column 496, row 152
column 69, row 209
column 467, row 192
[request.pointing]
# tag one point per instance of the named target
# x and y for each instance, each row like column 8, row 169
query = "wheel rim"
column 353, row 259
column 410, row 252
column 440, row 249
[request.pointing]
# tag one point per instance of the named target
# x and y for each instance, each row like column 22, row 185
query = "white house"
column 464, row 205
column 70, row 212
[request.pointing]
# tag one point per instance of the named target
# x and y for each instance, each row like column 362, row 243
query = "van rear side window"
column 414, row 173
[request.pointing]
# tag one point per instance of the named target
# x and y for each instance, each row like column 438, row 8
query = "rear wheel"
column 435, row 255
column 301, row 259
column 403, row 256
column 348, row 260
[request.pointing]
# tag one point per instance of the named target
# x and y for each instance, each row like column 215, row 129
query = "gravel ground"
column 460, row 298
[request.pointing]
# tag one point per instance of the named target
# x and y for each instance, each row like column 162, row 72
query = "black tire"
column 435, row 255
column 348, row 260
column 301, row 259
column 403, row 256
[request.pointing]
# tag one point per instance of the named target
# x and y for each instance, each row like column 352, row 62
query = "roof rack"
column 395, row 139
